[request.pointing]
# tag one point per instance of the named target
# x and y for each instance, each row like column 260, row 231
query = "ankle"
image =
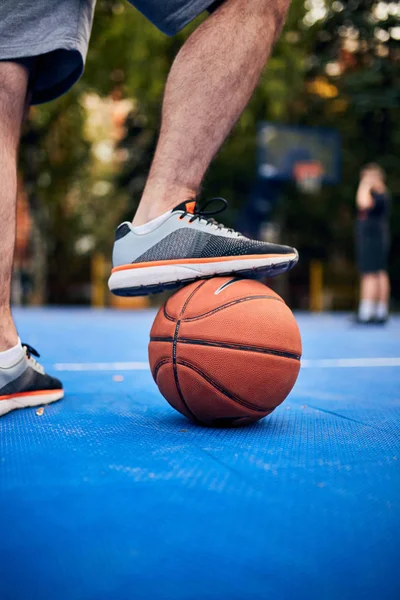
column 382, row 310
column 11, row 356
column 160, row 199
column 366, row 309
column 8, row 333
column 8, row 340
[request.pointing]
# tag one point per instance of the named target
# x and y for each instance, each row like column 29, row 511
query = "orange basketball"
column 225, row 352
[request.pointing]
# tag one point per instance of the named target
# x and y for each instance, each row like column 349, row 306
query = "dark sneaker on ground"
column 381, row 320
column 371, row 321
column 26, row 384
column 186, row 246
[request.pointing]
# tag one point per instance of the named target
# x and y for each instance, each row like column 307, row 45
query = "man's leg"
column 210, row 84
column 368, row 297
column 13, row 90
column 382, row 307
column 23, row 381
column 384, row 287
column 171, row 241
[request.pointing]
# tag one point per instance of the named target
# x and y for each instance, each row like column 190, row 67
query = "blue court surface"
column 110, row 494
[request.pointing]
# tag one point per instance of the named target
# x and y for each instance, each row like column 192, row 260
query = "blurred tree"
column 138, row 58
column 336, row 64
column 53, row 160
column 352, row 84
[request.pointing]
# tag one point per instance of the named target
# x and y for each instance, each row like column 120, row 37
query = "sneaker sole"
column 28, row 399
column 136, row 280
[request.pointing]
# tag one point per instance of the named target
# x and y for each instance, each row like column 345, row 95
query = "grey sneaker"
column 26, row 384
column 190, row 245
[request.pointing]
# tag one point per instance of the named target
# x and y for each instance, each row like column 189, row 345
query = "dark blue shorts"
column 170, row 16
column 57, row 32
column 372, row 245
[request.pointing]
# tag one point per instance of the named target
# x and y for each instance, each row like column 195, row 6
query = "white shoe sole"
column 131, row 280
column 29, row 400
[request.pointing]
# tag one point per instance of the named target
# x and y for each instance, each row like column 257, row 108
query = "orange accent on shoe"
column 189, row 261
column 190, row 207
column 36, row 393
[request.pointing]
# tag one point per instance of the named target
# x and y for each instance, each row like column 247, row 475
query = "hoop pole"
column 98, row 280
column 316, row 286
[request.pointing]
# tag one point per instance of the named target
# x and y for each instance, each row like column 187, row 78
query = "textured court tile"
column 110, row 494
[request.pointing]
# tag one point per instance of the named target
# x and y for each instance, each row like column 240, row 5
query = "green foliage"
column 129, row 58
column 356, row 37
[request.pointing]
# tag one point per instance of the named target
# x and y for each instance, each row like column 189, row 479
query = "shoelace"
column 206, row 215
column 30, row 353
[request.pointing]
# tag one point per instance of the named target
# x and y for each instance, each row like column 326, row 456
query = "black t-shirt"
column 380, row 209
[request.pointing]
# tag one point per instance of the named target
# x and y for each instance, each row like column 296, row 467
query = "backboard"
column 281, row 147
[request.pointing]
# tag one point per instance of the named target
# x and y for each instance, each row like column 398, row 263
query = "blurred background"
column 84, row 158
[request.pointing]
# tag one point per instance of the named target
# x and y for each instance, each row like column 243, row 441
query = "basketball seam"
column 191, row 296
column 223, row 390
column 158, row 366
column 215, row 310
column 174, row 344
column 232, row 346
column 168, row 316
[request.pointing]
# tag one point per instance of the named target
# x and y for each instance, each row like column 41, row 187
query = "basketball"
column 225, row 352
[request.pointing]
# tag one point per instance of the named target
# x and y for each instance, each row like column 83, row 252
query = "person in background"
column 372, row 245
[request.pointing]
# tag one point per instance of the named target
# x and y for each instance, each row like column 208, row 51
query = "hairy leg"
column 13, row 90
column 209, row 85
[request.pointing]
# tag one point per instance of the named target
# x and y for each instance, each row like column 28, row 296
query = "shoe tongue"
column 188, row 206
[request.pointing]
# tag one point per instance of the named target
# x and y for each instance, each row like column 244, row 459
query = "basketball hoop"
column 308, row 176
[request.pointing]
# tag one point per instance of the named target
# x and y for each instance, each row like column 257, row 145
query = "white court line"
column 350, row 363
column 330, row 363
column 113, row 366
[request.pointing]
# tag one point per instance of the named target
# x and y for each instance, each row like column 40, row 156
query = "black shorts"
column 372, row 245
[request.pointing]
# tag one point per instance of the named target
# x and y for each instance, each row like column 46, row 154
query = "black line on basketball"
column 174, row 344
column 232, row 346
column 223, row 391
column 215, row 310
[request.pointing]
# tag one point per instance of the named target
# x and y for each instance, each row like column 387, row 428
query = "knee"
column 272, row 12
column 280, row 9
column 282, row 6
column 369, row 278
column 13, row 89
